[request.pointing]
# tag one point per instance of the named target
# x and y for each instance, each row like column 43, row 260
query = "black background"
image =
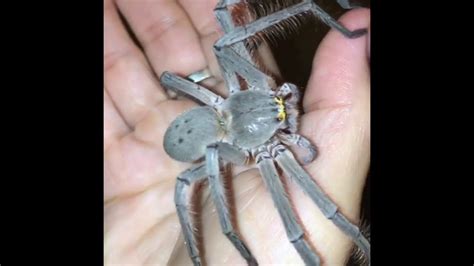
column 52, row 122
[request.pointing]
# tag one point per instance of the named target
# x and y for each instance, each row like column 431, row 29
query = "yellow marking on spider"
column 281, row 108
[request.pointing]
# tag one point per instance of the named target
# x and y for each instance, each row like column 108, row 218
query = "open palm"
column 141, row 225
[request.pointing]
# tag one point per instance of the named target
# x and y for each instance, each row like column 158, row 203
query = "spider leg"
column 241, row 33
column 220, row 201
column 302, row 142
column 287, row 162
column 293, row 229
column 346, row 4
column 185, row 179
column 224, row 18
column 230, row 153
column 177, row 83
column 232, row 62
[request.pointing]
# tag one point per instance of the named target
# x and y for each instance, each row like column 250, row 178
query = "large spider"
column 256, row 123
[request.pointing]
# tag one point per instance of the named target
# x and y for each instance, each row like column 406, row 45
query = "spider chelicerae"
column 257, row 123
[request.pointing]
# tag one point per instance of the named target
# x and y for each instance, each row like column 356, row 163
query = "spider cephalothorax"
column 258, row 122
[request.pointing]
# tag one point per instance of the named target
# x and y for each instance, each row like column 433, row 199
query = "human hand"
column 141, row 226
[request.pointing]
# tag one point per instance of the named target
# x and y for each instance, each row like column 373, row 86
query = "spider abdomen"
column 188, row 135
column 252, row 118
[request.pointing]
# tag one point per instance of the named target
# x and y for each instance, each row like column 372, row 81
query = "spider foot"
column 357, row 33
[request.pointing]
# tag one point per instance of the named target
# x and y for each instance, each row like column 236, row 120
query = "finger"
column 141, row 229
column 202, row 16
column 139, row 160
column 204, row 20
column 339, row 66
column 166, row 34
column 114, row 125
column 128, row 78
column 337, row 105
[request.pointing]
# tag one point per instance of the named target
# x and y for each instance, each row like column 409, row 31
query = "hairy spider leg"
column 221, row 203
column 226, row 22
column 292, row 169
column 241, row 33
column 179, row 84
column 210, row 170
column 293, row 230
column 183, row 183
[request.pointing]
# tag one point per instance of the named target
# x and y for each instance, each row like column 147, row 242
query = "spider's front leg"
column 226, row 22
column 233, row 61
column 241, row 33
column 177, row 83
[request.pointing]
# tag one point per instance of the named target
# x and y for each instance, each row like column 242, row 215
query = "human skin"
column 141, row 225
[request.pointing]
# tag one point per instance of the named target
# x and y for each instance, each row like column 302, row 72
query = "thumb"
column 337, row 113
